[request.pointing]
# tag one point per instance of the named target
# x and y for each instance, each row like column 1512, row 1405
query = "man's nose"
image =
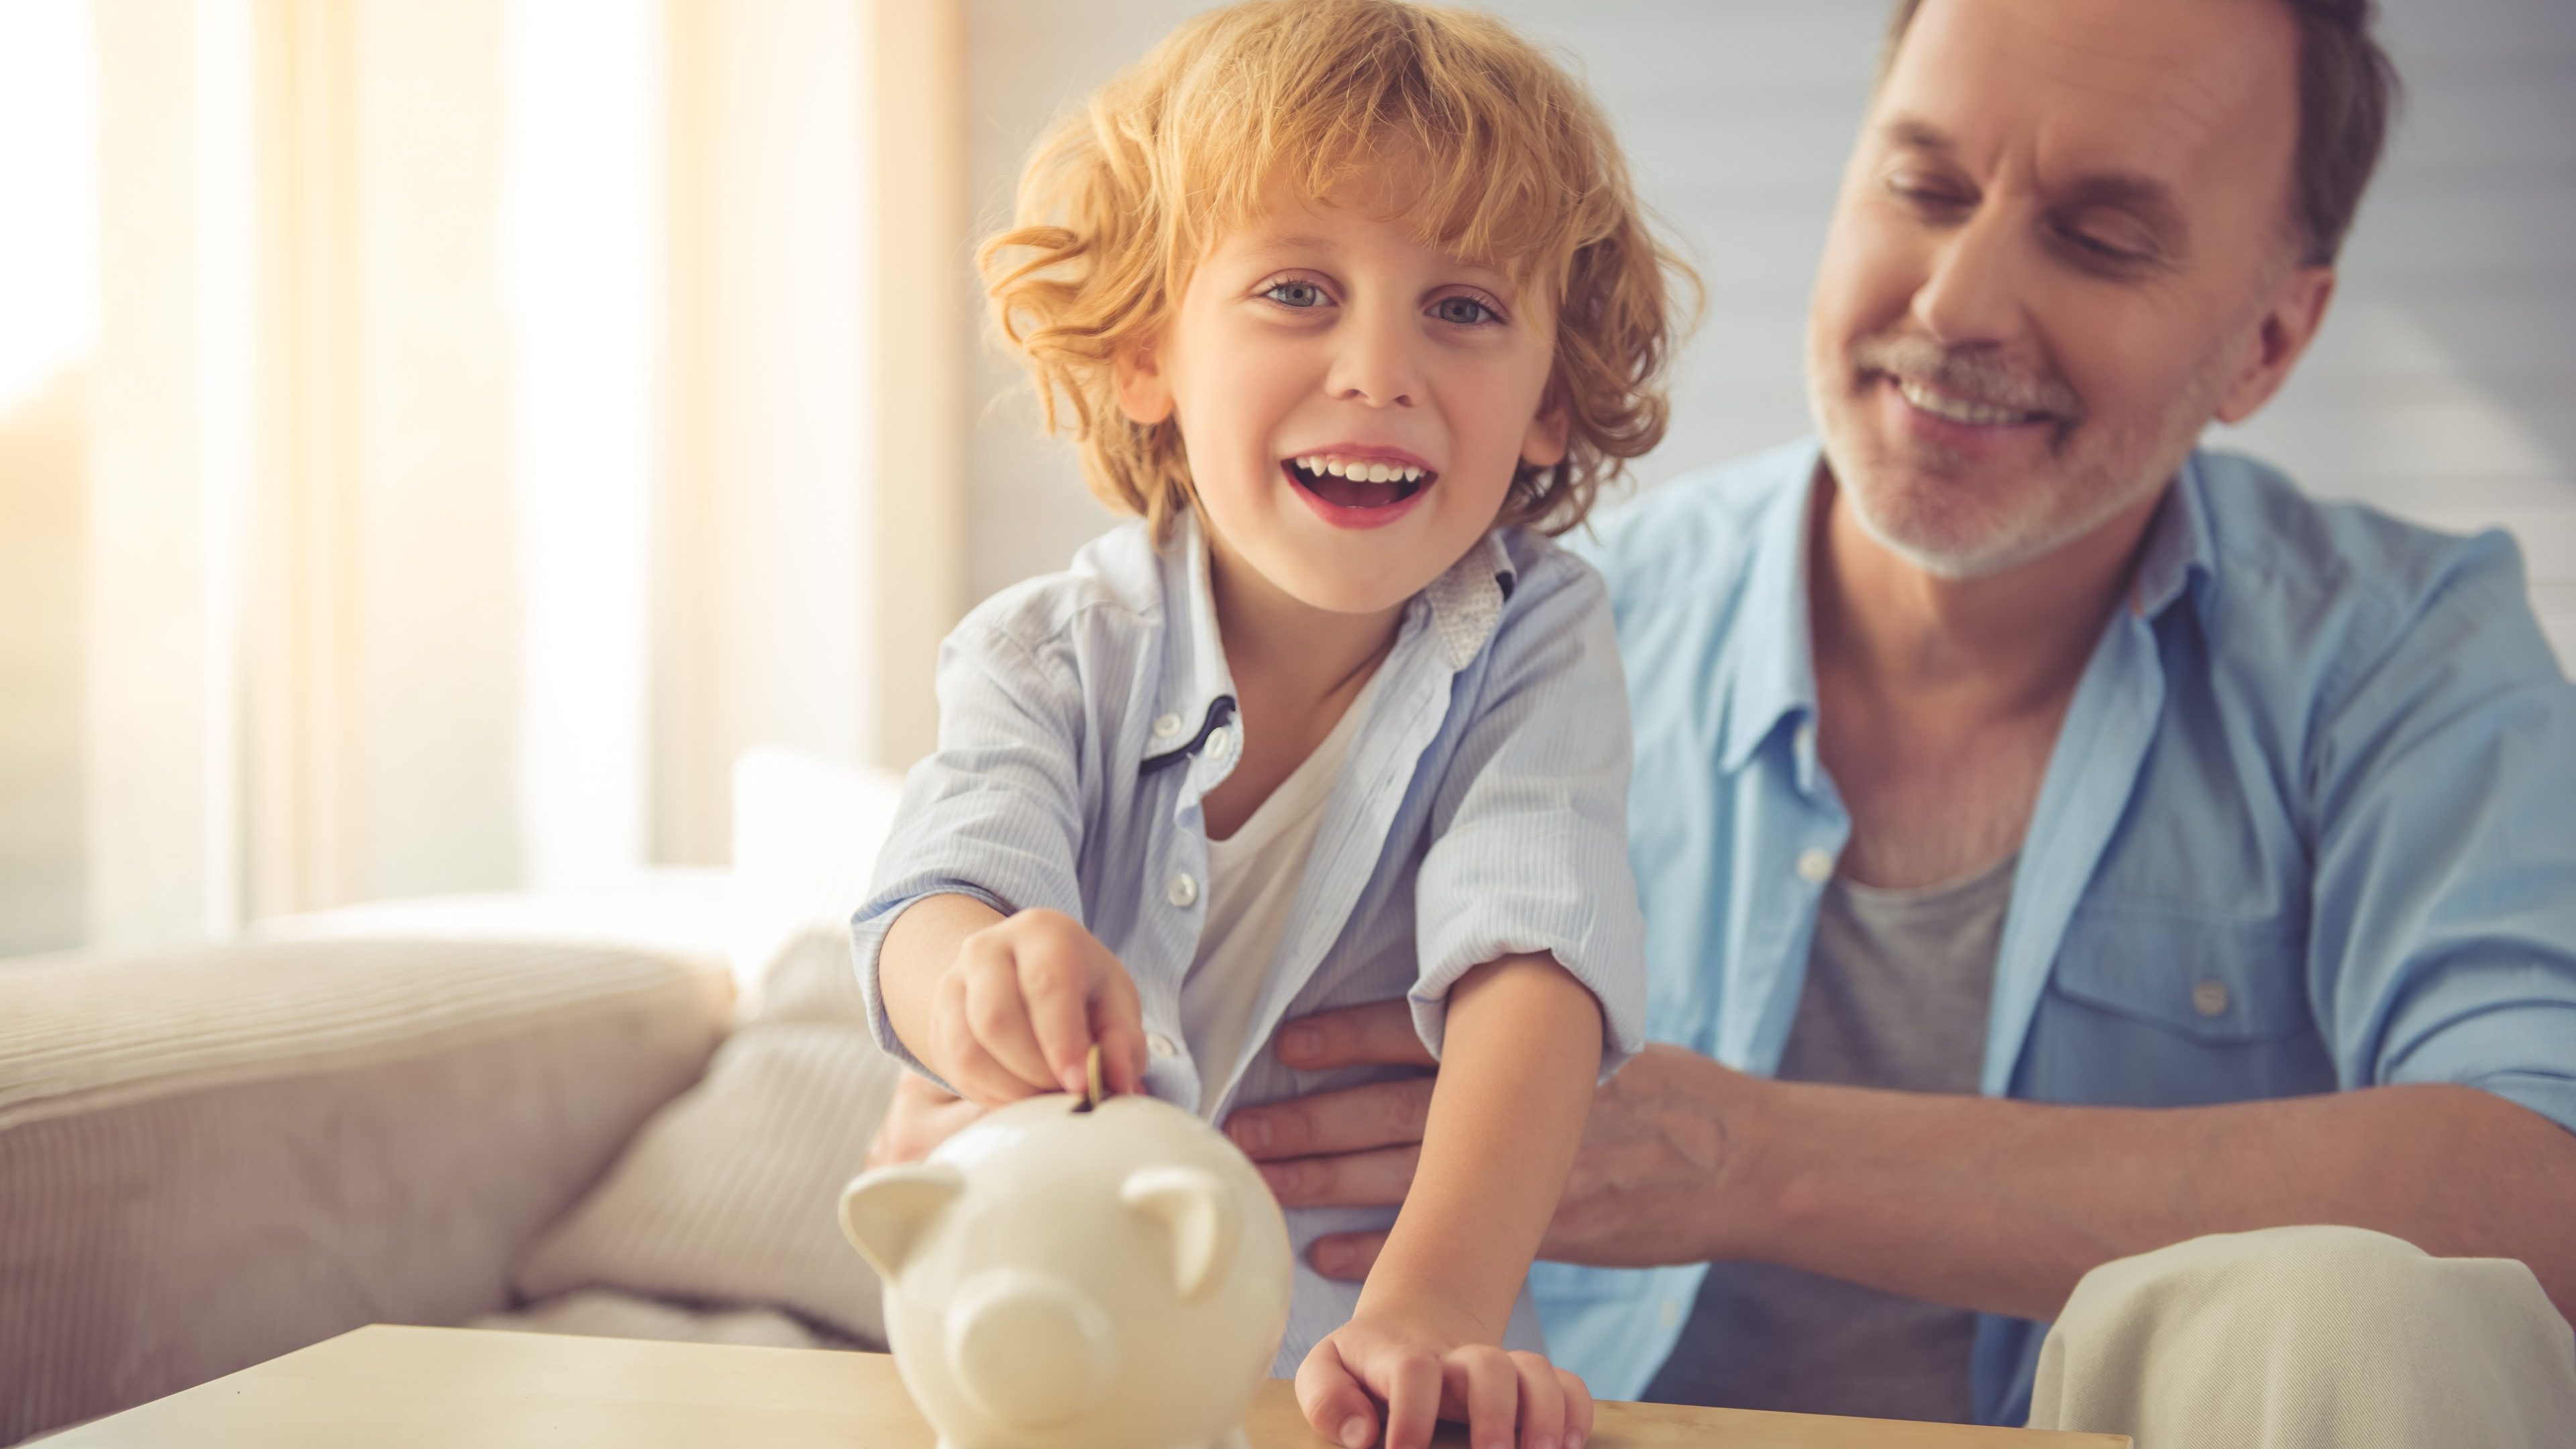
column 1972, row 294
column 1376, row 362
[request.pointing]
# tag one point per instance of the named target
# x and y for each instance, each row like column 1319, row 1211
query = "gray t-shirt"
column 1898, row 984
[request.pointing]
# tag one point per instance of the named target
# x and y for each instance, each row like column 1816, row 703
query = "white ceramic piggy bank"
column 1065, row 1279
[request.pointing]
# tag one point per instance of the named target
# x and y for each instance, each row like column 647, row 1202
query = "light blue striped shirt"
column 2310, row 824
column 1482, row 811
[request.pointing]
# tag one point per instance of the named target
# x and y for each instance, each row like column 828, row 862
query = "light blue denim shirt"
column 2310, row 824
column 1482, row 810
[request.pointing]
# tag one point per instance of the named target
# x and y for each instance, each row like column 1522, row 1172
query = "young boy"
column 1349, row 300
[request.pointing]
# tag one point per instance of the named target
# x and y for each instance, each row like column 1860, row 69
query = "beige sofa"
column 473, row 1112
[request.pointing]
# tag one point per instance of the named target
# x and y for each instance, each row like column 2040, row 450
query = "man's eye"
column 2102, row 250
column 1465, row 311
column 1925, row 196
column 1295, row 294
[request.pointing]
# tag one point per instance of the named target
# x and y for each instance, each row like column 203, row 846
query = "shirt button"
column 1160, row 1045
column 1166, row 727
column 1806, row 740
column 1220, row 745
column 1815, row 865
column 1183, row 891
column 2209, row 998
column 1668, row 1314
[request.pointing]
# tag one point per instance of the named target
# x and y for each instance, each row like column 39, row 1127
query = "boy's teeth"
column 1320, row 465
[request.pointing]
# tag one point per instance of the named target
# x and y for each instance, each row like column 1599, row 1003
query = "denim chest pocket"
column 2155, row 1004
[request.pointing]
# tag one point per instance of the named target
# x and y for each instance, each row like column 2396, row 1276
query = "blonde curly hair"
column 1520, row 171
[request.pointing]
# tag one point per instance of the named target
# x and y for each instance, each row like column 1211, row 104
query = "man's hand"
column 1015, row 1015
column 918, row 1120
column 1648, row 1185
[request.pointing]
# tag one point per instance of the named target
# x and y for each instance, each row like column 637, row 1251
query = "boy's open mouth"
column 1357, row 482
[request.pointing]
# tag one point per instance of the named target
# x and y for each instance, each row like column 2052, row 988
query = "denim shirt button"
column 1183, row 891
column 2209, row 997
column 1815, row 865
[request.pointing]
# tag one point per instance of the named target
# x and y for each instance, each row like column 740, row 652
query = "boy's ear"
column 1544, row 445
column 1144, row 394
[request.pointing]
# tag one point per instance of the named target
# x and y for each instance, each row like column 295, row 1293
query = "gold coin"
column 1096, row 1078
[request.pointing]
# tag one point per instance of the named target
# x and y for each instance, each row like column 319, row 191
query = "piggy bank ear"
column 1196, row 1217
column 883, row 1212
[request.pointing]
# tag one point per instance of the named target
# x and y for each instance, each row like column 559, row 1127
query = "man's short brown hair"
column 2348, row 89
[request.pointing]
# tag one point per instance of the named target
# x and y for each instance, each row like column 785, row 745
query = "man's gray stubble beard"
column 2161, row 446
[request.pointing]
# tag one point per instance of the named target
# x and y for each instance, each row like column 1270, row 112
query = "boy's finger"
column 960, row 1058
column 998, row 1015
column 973, row 1072
column 1335, row 1404
column 1492, row 1391
column 1118, row 1023
column 1052, row 992
column 1412, row 1400
column 1542, row 1402
column 1578, row 1408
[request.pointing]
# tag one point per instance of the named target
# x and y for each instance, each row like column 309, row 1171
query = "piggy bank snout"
column 1029, row 1348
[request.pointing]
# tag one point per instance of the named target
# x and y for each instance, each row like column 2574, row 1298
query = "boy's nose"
column 1375, row 365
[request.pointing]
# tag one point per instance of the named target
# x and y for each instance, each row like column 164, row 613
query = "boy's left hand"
column 1423, row 1374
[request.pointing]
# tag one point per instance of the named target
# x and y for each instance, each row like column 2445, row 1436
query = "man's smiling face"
column 2062, row 246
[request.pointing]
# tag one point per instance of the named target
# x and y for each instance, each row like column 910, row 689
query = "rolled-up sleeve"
column 2443, row 940
column 1530, row 831
column 995, row 813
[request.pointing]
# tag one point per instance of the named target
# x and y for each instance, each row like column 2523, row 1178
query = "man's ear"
column 1544, row 444
column 1144, row 393
column 2298, row 308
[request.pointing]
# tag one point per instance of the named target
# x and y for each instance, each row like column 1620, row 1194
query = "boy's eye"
column 1295, row 294
column 1465, row 311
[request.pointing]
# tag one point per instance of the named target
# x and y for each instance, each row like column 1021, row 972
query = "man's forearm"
column 2002, row 1206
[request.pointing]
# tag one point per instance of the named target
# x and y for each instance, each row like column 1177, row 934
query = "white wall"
column 2439, row 389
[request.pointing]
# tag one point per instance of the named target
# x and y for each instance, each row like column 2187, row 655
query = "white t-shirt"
column 1253, row 876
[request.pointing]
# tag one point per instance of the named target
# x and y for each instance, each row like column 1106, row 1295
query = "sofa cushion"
column 210, row 1157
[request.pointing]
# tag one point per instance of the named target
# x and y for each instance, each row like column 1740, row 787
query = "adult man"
column 2005, row 767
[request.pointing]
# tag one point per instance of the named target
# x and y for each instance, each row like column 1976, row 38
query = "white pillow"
column 730, row 1195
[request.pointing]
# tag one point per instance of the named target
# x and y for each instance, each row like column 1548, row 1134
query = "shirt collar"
column 1776, row 678
column 1464, row 604
column 1197, row 689
column 2178, row 547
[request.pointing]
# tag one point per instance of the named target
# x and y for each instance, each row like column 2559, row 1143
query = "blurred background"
column 438, row 436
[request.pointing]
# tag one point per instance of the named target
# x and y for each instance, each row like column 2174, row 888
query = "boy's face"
column 1353, row 403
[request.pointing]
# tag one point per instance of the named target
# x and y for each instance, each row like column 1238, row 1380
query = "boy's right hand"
column 1016, row 1013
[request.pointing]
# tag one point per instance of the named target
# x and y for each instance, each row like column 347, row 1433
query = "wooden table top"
column 409, row 1388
